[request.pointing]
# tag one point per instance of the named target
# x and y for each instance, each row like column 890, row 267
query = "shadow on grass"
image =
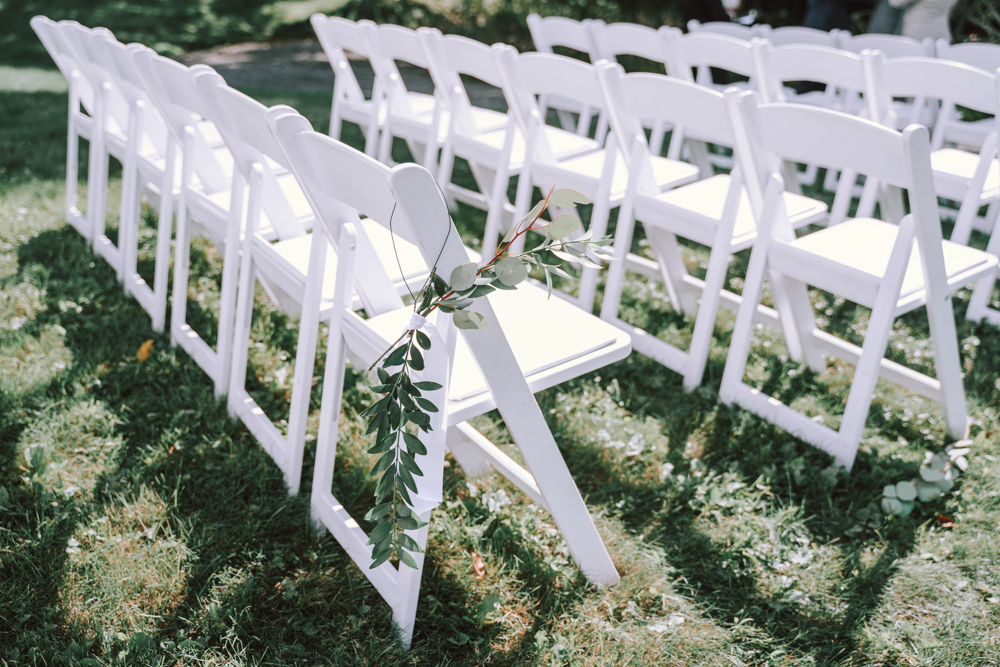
column 259, row 579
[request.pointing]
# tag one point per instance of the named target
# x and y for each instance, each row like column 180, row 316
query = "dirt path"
column 302, row 66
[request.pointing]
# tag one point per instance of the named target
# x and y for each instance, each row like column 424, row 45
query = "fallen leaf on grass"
column 479, row 566
column 144, row 351
column 945, row 521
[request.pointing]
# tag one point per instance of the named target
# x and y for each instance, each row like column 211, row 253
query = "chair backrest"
column 935, row 79
column 553, row 31
column 120, row 64
column 91, row 60
column 977, row 54
column 451, row 57
column 793, row 34
column 628, row 39
column 893, row 46
column 339, row 186
column 703, row 49
column 768, row 133
column 182, row 106
column 388, row 44
column 833, row 139
column 727, row 28
column 242, row 122
column 65, row 58
column 337, row 35
column 556, row 77
column 638, row 97
column 775, row 65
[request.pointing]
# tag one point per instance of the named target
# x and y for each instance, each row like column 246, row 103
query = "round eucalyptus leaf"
column 938, row 461
column 891, row 506
column 511, row 271
column 931, row 474
column 905, row 508
column 467, row 319
column 944, row 484
column 566, row 197
column 464, row 277
column 905, row 491
column 927, row 492
column 889, row 491
column 562, row 226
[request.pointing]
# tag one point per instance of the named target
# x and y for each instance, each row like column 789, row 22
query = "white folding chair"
column 421, row 119
column 727, row 28
column 906, row 111
column 496, row 367
column 889, row 268
column 86, row 104
column 984, row 56
column 714, row 212
column 494, row 155
column 794, row 34
column 136, row 137
column 151, row 166
column 553, row 32
column 703, row 50
column 631, row 39
column 275, row 250
column 601, row 175
column 206, row 201
column 964, row 176
column 338, row 36
column 843, row 75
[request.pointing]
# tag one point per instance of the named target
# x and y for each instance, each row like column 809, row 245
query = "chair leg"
column 305, row 362
column 241, row 330
column 617, row 269
column 164, row 224
column 746, row 314
column 72, row 166
column 979, row 307
column 404, row 613
column 704, row 323
column 599, row 226
column 672, row 270
column 182, row 248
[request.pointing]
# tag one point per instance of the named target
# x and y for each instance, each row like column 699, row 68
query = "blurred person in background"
column 925, row 18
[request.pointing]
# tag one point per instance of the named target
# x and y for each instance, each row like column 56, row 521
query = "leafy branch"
column 402, row 412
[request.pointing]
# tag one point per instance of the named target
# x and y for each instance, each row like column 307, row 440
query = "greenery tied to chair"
column 402, row 402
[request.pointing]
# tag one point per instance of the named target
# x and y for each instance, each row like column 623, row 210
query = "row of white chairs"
column 282, row 183
column 259, row 183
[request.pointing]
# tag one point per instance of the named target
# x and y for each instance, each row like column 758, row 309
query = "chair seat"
column 952, row 170
column 705, row 200
column 543, row 333
column 668, row 173
column 564, row 144
column 969, row 133
column 865, row 244
column 295, row 252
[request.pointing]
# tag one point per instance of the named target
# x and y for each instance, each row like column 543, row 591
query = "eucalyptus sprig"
column 403, row 404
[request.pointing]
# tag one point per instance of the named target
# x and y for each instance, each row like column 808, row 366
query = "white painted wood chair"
column 529, row 344
column 714, row 212
column 727, row 28
column 700, row 51
column 109, row 135
column 794, row 34
column 889, row 268
column 972, row 179
column 204, row 204
column 548, row 33
column 631, row 39
column 984, row 56
column 86, row 103
column 907, row 111
column 843, row 75
column 494, row 155
column 276, row 249
column 421, row 119
column 338, row 36
column 601, row 175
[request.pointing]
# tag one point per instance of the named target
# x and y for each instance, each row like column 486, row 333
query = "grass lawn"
column 139, row 525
